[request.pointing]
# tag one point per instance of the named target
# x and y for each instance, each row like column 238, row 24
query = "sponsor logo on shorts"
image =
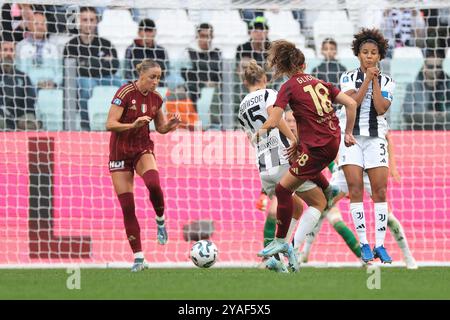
column 116, row 165
column 117, row 101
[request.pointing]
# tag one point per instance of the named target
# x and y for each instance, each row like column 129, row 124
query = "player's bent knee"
column 151, row 180
column 355, row 192
column 379, row 194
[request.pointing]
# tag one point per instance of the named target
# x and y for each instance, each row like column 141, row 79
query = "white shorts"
column 338, row 178
column 367, row 153
column 271, row 177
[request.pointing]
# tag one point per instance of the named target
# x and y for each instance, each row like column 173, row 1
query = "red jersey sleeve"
column 160, row 99
column 284, row 95
column 334, row 91
column 121, row 96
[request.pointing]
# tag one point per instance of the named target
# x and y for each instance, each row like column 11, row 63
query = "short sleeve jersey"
column 311, row 102
column 129, row 143
column 368, row 122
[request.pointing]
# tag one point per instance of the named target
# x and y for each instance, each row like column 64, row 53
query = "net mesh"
column 59, row 204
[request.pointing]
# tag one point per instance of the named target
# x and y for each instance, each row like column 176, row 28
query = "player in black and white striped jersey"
column 271, row 157
column 373, row 92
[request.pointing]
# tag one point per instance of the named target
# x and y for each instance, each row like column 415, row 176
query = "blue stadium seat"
column 446, row 65
column 204, row 104
column 311, row 59
column 98, row 106
column 49, row 109
column 406, row 64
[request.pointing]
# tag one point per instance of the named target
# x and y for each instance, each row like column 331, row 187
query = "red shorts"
column 127, row 164
column 312, row 161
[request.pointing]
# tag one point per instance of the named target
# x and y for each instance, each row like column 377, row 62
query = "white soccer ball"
column 204, row 253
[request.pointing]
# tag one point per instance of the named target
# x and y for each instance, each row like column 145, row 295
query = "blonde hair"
column 145, row 65
column 253, row 73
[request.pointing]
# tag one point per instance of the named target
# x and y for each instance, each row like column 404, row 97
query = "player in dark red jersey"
column 131, row 149
column 319, row 136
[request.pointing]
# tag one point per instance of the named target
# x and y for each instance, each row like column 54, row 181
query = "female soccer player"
column 271, row 157
column 393, row 223
column 319, row 135
column 131, row 149
column 372, row 91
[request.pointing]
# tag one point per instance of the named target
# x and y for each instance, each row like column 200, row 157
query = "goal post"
column 58, row 205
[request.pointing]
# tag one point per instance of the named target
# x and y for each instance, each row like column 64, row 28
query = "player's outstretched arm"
column 350, row 109
column 283, row 127
column 113, row 124
column 272, row 122
column 163, row 126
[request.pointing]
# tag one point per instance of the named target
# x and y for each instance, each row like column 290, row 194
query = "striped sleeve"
column 119, row 98
column 347, row 81
column 387, row 88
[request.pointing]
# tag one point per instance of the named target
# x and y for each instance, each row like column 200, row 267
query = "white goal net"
column 62, row 62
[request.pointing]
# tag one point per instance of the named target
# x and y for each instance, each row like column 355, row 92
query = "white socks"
column 359, row 220
column 308, row 221
column 139, row 255
column 291, row 229
column 312, row 235
column 381, row 218
column 399, row 235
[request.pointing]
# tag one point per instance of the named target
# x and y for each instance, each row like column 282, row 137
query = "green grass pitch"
column 235, row 284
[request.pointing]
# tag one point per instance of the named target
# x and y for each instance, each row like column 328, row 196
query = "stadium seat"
column 118, row 26
column 98, row 106
column 204, row 104
column 334, row 24
column 311, row 59
column 282, row 25
column 49, row 109
column 446, row 62
column 406, row 63
column 347, row 58
column 229, row 29
column 174, row 30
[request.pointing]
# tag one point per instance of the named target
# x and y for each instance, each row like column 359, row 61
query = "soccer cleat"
column 276, row 246
column 162, row 234
column 293, row 265
column 380, row 252
column 261, row 203
column 303, row 257
column 276, row 265
column 366, row 253
column 411, row 263
column 330, row 194
column 139, row 265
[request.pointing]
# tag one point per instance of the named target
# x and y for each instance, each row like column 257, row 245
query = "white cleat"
column 411, row 263
column 302, row 257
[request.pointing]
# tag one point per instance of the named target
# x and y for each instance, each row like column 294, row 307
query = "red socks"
column 151, row 180
column 284, row 210
column 129, row 218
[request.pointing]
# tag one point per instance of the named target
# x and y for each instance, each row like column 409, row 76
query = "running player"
column 271, row 157
column 319, row 135
column 372, row 91
column 131, row 149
